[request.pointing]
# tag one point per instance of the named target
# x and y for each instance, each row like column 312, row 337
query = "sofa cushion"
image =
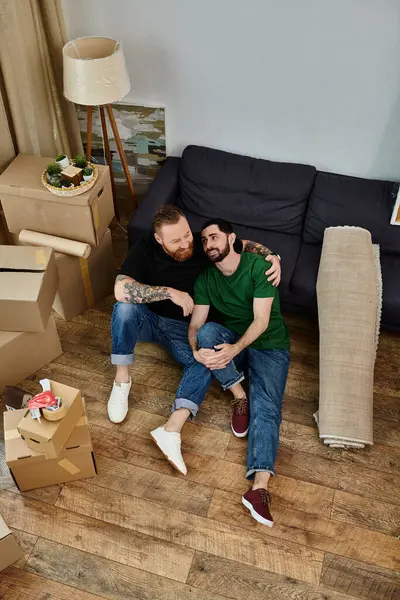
column 287, row 246
column 342, row 200
column 243, row 190
column 304, row 281
column 391, row 288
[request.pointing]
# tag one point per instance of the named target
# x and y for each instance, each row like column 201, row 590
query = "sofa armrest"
column 163, row 190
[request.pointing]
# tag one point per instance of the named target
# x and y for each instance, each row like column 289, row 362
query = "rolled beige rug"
column 34, row 238
column 349, row 294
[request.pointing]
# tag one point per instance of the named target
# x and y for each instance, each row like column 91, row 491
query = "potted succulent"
column 80, row 161
column 53, row 173
column 87, row 173
column 62, row 160
column 66, row 184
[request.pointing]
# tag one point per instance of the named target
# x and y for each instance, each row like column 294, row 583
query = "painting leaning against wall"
column 142, row 132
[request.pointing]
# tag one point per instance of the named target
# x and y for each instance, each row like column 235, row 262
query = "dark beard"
column 221, row 253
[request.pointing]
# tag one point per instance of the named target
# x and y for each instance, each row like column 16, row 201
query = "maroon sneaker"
column 240, row 417
column 258, row 501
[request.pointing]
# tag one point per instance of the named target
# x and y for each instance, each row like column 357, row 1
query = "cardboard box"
column 22, row 354
column 82, row 283
column 27, row 204
column 32, row 469
column 10, row 552
column 50, row 437
column 5, row 236
column 28, row 285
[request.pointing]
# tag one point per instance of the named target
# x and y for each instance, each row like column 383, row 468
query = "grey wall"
column 314, row 81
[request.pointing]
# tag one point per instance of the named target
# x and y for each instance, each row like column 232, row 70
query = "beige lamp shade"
column 94, row 71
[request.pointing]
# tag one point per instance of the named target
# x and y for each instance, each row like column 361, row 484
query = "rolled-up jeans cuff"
column 122, row 359
column 238, row 379
column 250, row 472
column 185, row 403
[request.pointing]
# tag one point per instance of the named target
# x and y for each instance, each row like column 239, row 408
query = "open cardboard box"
column 27, row 204
column 10, row 552
column 28, row 285
column 49, row 437
column 31, row 469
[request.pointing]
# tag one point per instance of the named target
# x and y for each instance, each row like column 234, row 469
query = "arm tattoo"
column 140, row 293
column 257, row 248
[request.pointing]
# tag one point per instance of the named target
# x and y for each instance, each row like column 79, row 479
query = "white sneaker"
column 118, row 402
column 169, row 443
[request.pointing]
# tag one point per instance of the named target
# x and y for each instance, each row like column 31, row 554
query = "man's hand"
column 222, row 356
column 274, row 272
column 203, row 355
column 183, row 300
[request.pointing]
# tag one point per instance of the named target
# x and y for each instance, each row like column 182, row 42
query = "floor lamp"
column 95, row 74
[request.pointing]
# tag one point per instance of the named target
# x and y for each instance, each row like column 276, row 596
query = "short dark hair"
column 167, row 214
column 221, row 224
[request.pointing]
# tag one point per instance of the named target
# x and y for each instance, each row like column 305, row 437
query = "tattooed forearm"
column 257, row 248
column 134, row 292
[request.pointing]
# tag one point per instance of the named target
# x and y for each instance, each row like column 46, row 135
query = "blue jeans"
column 267, row 372
column 131, row 323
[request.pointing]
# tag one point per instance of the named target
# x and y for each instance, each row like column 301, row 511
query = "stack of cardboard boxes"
column 44, row 453
column 27, row 204
column 33, row 280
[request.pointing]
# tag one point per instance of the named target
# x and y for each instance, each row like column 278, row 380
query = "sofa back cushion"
column 343, row 200
column 243, row 190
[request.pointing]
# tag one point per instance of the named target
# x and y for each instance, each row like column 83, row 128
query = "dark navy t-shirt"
column 148, row 263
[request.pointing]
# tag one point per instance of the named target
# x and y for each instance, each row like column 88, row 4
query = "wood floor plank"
column 48, row 494
column 21, row 585
column 360, row 579
column 26, row 542
column 170, row 490
column 193, row 531
column 105, row 578
column 313, row 531
column 364, row 512
column 238, row 581
column 93, row 536
column 209, row 471
column 301, row 438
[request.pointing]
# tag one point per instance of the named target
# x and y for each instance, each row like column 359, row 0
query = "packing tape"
column 55, row 415
column 68, row 466
column 40, row 257
column 11, row 434
column 82, row 421
column 96, row 216
column 87, row 284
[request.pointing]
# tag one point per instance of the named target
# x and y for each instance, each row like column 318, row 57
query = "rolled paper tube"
column 34, row 238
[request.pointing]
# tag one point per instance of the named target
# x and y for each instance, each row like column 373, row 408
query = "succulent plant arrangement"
column 80, row 161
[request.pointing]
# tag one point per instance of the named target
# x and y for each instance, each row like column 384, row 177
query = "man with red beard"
column 154, row 294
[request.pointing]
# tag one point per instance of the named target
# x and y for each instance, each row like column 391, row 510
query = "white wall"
column 314, row 81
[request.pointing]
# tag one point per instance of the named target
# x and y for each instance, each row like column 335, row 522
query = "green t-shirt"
column 233, row 296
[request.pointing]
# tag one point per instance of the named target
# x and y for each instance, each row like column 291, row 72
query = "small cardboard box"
column 10, row 552
column 32, row 469
column 27, row 204
column 28, row 285
column 22, row 354
column 83, row 282
column 50, row 437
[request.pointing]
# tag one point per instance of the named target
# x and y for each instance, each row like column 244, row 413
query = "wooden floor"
column 141, row 531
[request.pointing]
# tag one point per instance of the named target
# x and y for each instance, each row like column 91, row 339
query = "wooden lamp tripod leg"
column 121, row 152
column 89, row 132
column 108, row 159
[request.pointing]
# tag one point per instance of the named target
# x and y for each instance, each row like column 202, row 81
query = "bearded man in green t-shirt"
column 252, row 342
